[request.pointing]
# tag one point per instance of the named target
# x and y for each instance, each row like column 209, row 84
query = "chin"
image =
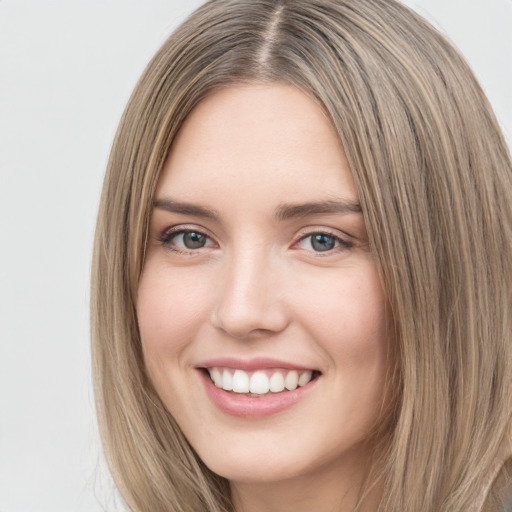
column 255, row 473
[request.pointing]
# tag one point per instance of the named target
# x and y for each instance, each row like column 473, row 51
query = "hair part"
column 434, row 180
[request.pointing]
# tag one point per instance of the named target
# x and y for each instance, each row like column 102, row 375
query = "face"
column 262, row 317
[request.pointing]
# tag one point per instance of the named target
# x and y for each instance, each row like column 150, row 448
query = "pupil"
column 322, row 242
column 194, row 240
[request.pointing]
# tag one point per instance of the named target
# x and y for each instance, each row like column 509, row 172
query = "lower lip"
column 253, row 407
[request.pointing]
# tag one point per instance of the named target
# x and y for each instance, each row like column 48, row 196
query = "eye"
column 322, row 242
column 186, row 240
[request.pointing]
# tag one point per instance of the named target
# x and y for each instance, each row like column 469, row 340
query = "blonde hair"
column 435, row 183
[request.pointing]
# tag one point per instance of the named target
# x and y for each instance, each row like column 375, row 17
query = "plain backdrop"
column 66, row 70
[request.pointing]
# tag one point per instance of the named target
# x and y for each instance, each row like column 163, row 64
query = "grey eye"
column 322, row 242
column 183, row 240
column 192, row 239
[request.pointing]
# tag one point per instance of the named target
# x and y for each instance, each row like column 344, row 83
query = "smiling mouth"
column 260, row 382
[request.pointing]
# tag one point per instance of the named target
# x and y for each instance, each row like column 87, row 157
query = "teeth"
column 240, row 382
column 305, row 377
column 216, row 377
column 227, row 380
column 277, row 382
column 260, row 382
column 291, row 380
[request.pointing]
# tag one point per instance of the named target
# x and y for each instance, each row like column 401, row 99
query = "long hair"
column 434, row 179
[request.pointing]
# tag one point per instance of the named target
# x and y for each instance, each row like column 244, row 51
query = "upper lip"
column 258, row 363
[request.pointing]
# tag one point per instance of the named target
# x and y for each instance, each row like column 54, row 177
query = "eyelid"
column 314, row 229
column 166, row 236
column 346, row 241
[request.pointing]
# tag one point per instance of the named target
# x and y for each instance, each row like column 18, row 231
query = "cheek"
column 349, row 322
column 352, row 309
column 170, row 309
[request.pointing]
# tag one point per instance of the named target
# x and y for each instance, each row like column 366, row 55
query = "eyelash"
column 167, row 239
column 342, row 243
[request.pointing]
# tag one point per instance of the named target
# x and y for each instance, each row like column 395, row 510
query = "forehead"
column 263, row 139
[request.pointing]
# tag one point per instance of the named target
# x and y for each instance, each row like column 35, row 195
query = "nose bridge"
column 250, row 299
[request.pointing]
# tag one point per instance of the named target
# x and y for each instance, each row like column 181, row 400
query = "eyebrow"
column 186, row 208
column 289, row 211
column 283, row 212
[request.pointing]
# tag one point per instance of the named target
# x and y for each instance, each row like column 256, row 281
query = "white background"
column 66, row 70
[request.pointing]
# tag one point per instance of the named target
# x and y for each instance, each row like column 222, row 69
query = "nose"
column 251, row 300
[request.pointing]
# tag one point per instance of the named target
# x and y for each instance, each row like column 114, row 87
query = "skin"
column 259, row 288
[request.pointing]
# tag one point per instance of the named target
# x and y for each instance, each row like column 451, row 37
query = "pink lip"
column 259, row 363
column 252, row 407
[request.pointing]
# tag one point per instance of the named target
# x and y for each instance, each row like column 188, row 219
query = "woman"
column 302, row 269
